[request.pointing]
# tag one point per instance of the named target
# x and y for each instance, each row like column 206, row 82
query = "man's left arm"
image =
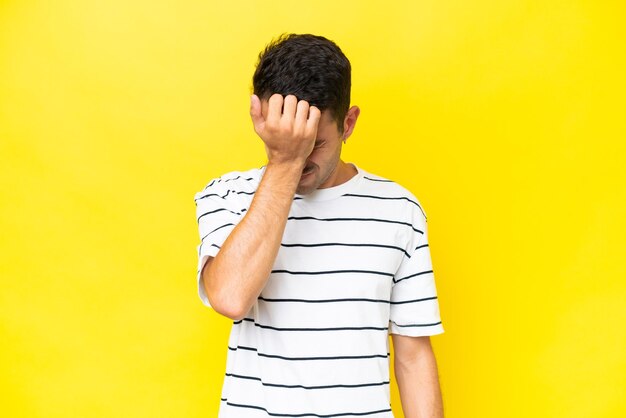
column 416, row 373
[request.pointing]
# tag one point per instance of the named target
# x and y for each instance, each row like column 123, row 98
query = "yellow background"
column 505, row 118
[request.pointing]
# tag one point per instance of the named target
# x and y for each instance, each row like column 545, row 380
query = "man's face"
column 324, row 159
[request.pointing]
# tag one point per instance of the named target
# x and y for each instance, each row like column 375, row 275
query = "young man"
column 316, row 260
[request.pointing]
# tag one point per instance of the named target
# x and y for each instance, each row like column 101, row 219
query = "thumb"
column 255, row 113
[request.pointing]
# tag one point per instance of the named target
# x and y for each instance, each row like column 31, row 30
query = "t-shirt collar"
column 335, row 191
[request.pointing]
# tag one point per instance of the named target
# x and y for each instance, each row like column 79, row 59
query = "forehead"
column 327, row 121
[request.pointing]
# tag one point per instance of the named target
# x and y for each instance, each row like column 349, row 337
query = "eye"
column 319, row 144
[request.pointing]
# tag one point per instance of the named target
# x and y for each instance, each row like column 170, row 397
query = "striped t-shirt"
column 354, row 266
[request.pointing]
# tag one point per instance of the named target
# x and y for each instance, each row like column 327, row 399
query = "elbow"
column 229, row 310
column 223, row 302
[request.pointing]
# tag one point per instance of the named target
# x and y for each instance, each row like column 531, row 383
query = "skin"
column 303, row 147
column 416, row 373
column 324, row 167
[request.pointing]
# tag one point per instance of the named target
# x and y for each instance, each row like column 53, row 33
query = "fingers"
column 274, row 109
column 313, row 120
column 302, row 113
column 307, row 117
column 287, row 114
column 289, row 107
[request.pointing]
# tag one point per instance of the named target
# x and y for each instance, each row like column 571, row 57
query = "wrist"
column 281, row 178
column 289, row 168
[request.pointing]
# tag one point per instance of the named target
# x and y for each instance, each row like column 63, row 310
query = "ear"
column 350, row 121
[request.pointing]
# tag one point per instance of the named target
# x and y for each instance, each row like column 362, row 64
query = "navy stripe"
column 382, row 180
column 216, row 229
column 329, row 244
column 382, row 273
column 324, row 300
column 261, row 298
column 311, row 329
column 311, row 218
column 235, row 178
column 414, row 300
column 385, row 198
column 200, row 249
column 220, row 180
column 306, row 358
column 213, row 194
column 418, row 325
column 412, row 275
column 342, row 414
column 218, row 210
column 382, row 197
column 222, row 197
column 359, row 385
column 420, row 246
column 213, row 245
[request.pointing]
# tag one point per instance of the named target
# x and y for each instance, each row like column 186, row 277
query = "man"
column 316, row 260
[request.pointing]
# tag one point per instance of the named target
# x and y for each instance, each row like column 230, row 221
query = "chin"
column 306, row 187
column 305, row 190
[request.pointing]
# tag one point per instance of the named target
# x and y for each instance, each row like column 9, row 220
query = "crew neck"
column 329, row 193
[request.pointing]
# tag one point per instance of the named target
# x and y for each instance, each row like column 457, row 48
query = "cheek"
column 324, row 157
column 320, row 156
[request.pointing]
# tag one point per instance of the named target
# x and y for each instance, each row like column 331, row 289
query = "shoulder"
column 234, row 182
column 384, row 188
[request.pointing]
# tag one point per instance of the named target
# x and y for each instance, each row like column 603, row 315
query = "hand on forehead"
column 281, row 103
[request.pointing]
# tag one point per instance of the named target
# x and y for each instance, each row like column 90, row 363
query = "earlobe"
column 350, row 121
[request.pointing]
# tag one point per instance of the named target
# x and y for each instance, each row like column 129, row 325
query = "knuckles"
column 284, row 128
column 276, row 97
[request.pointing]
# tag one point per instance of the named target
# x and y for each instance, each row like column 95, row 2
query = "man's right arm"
column 235, row 277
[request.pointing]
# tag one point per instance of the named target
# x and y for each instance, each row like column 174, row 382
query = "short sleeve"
column 218, row 211
column 414, row 309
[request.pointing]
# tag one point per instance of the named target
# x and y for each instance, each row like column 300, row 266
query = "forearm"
column 235, row 277
column 418, row 383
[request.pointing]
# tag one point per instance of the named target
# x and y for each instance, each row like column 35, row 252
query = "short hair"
column 310, row 67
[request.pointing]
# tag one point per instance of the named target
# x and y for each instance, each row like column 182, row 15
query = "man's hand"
column 289, row 130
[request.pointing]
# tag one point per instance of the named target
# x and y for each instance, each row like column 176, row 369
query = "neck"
column 342, row 173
